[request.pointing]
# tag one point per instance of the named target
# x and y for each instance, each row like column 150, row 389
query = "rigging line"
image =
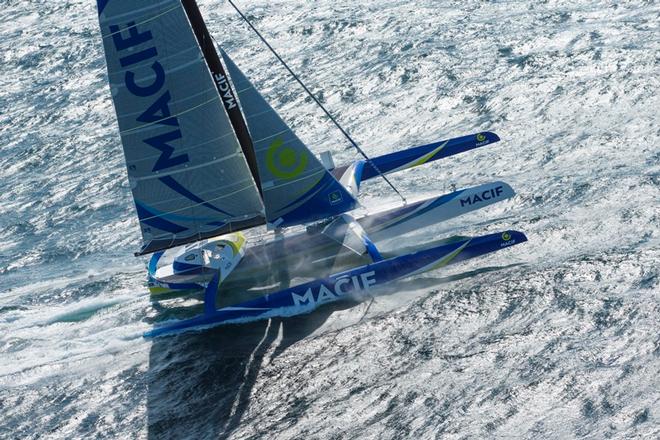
column 311, row 95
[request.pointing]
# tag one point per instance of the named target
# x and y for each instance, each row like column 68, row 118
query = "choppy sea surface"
column 554, row 339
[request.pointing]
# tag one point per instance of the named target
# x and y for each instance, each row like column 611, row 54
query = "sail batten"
column 188, row 169
column 205, row 144
column 136, row 12
column 170, row 117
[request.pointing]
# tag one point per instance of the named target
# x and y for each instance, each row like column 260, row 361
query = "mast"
column 188, row 173
column 228, row 96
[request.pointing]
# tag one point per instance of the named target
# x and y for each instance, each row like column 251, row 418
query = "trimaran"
column 208, row 157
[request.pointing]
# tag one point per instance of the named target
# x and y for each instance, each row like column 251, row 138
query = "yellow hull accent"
column 422, row 160
column 446, row 260
column 159, row 290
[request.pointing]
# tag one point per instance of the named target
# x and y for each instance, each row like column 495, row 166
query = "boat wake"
column 554, row 339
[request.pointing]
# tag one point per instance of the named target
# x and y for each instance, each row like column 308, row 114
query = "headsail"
column 296, row 187
column 188, row 174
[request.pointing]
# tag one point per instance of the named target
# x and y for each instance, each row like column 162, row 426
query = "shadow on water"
column 200, row 384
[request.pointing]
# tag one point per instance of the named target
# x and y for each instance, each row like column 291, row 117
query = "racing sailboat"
column 208, row 157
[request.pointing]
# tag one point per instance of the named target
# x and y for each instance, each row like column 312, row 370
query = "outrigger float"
column 208, row 157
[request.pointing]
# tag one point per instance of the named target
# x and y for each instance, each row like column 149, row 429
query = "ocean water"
column 554, row 339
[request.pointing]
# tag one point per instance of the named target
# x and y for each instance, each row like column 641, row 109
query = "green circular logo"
column 481, row 137
column 506, row 236
column 283, row 161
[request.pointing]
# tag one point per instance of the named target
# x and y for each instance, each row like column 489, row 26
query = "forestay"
column 186, row 169
column 296, row 187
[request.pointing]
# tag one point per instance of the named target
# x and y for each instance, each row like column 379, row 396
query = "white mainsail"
column 188, row 174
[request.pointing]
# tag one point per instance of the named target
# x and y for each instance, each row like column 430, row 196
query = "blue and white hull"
column 356, row 283
column 311, row 247
column 204, row 160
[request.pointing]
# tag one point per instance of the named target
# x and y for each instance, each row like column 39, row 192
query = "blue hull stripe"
column 439, row 201
column 393, row 161
column 353, row 283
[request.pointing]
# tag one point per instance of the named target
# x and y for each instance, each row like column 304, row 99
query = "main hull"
column 356, row 284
